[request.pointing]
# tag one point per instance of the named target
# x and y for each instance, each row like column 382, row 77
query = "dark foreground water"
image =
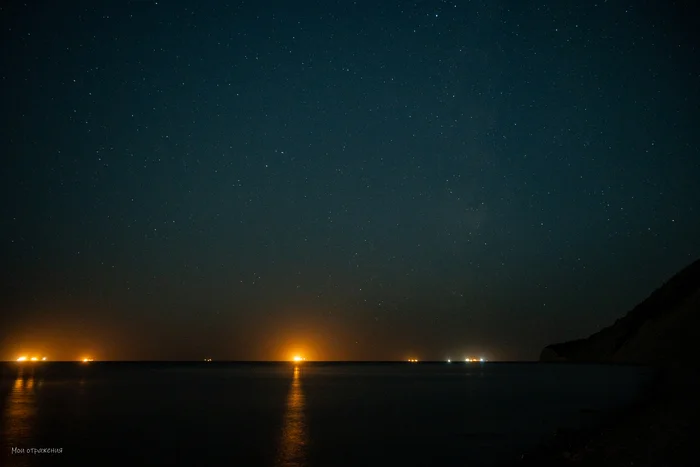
column 202, row 414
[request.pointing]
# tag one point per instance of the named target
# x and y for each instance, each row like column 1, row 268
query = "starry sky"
column 346, row 180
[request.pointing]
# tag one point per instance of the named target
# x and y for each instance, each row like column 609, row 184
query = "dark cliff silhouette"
column 662, row 330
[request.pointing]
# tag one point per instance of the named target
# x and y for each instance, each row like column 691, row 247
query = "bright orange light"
column 22, row 359
column 298, row 358
column 34, row 359
column 43, row 358
column 85, row 360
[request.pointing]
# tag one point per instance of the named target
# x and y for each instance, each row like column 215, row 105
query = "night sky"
column 345, row 180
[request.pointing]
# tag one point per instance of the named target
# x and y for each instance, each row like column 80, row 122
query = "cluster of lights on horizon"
column 296, row 359
column 467, row 360
column 24, row 358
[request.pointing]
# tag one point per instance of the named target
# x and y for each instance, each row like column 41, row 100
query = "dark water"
column 202, row 414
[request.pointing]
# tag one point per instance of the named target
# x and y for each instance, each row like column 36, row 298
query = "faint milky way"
column 364, row 180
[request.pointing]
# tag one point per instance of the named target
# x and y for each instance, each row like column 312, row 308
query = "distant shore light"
column 473, row 360
column 298, row 358
column 22, row 359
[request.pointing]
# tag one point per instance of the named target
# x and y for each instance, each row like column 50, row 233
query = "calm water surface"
column 321, row 415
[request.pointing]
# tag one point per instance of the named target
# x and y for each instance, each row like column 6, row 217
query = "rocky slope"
column 663, row 428
column 659, row 331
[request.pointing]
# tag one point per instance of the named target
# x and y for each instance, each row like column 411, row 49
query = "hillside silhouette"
column 661, row 330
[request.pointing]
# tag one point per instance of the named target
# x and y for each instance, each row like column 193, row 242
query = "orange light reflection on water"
column 292, row 451
column 18, row 418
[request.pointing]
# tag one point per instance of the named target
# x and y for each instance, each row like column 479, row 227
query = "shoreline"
column 659, row 428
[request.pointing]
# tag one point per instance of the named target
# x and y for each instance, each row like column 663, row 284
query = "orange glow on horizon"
column 24, row 358
column 298, row 353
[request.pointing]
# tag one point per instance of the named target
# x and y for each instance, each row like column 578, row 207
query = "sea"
column 311, row 414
